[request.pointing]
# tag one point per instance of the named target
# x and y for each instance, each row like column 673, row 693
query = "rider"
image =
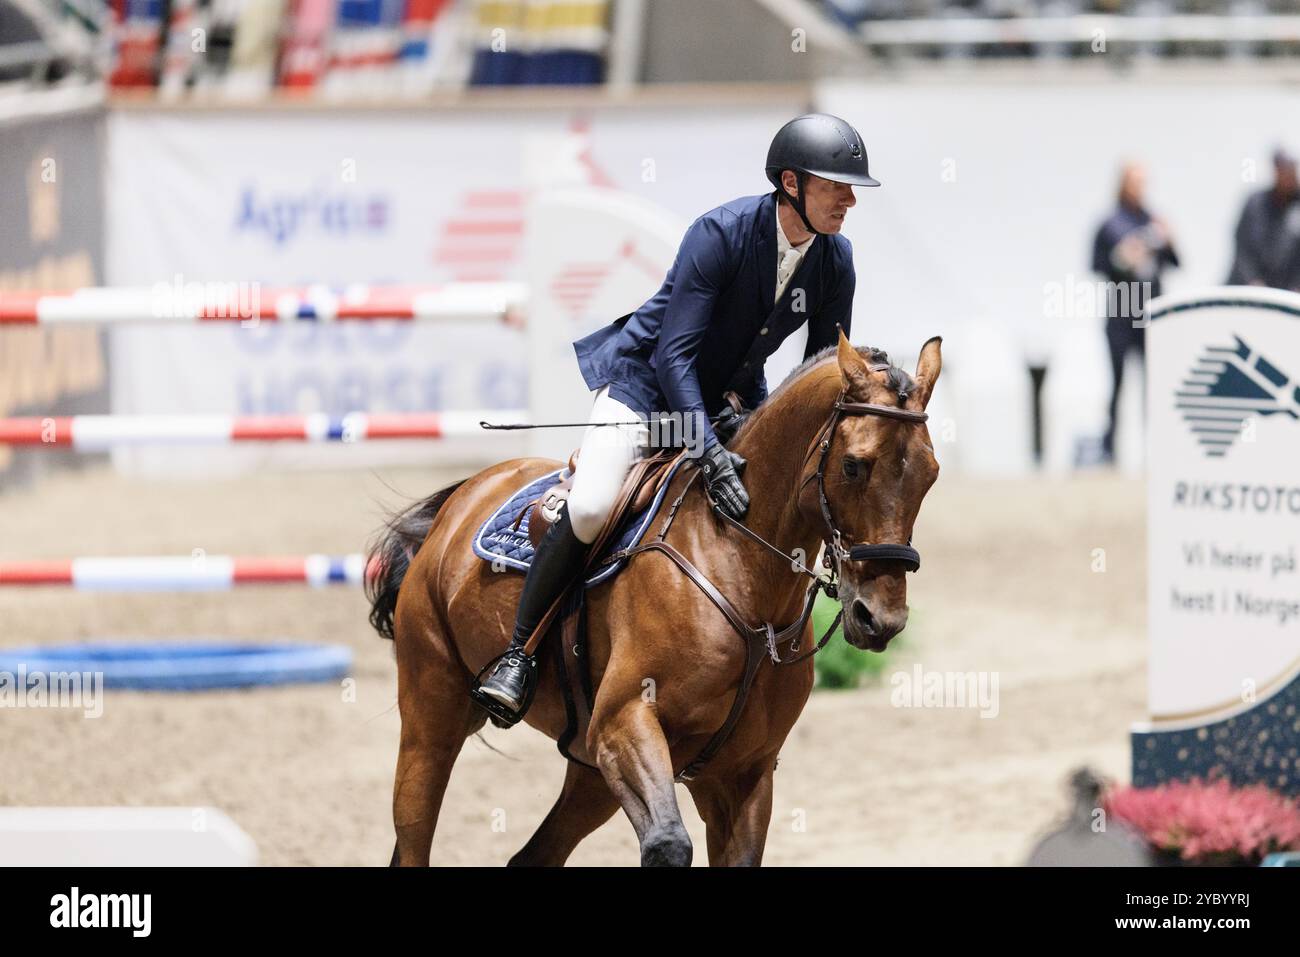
column 747, row 275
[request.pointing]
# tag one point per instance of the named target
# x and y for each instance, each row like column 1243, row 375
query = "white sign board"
column 1223, row 501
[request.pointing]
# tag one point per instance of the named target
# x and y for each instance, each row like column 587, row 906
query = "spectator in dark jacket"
column 1131, row 249
column 1267, row 250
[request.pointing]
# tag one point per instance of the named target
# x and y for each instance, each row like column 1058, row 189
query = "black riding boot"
column 559, row 557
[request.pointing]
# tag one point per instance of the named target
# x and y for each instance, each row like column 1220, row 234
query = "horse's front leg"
column 737, row 809
column 633, row 756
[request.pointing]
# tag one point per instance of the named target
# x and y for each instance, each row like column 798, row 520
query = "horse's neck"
column 774, row 445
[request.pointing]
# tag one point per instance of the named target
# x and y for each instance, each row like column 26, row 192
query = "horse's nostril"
column 864, row 617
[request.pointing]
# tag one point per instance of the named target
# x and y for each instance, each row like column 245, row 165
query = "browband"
column 888, row 411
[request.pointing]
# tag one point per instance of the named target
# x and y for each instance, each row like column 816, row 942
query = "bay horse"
column 665, row 663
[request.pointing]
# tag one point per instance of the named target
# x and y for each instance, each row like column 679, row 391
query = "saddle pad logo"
column 1227, row 385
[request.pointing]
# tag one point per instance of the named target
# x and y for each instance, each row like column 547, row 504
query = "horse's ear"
column 854, row 371
column 927, row 369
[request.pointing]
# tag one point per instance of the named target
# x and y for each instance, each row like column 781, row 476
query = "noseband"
column 836, row 552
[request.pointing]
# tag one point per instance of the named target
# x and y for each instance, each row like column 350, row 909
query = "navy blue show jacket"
column 713, row 324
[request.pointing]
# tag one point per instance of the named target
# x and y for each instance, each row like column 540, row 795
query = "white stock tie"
column 786, row 269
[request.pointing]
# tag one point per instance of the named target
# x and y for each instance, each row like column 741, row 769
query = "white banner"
column 1223, row 500
column 340, row 197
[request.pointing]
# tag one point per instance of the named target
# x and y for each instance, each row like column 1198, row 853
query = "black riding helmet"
column 820, row 144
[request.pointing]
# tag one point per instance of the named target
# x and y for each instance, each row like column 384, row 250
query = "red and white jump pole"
column 251, row 303
column 96, row 433
column 194, row 573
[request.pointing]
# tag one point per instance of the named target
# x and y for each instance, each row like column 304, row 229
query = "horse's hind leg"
column 437, row 716
column 584, row 804
column 736, row 813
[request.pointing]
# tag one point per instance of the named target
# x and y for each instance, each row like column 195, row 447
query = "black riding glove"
column 722, row 476
column 728, row 423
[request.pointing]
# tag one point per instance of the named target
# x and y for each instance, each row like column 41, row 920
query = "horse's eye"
column 852, row 467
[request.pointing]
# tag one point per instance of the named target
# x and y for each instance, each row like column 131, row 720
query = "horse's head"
column 875, row 472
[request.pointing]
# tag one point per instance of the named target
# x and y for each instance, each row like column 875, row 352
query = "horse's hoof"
column 667, row 847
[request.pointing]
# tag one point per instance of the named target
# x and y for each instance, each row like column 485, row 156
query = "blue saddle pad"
column 498, row 542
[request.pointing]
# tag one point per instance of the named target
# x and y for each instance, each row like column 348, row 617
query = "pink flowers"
column 1209, row 822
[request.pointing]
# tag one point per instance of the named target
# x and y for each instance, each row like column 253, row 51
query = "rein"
column 766, row 636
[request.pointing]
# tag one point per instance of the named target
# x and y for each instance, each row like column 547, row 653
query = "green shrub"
column 839, row 664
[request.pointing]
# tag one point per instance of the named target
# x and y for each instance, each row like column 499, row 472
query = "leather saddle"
column 639, row 489
column 643, row 482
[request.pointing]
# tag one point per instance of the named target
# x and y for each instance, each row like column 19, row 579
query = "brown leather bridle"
column 836, row 552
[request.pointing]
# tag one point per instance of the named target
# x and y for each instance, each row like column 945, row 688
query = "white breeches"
column 607, row 454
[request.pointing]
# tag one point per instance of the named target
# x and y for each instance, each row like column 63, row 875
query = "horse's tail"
column 392, row 551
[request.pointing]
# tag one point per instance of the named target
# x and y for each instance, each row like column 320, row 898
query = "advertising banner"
column 51, row 231
column 1224, row 537
column 405, row 196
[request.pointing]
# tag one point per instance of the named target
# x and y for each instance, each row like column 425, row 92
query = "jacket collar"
column 765, row 222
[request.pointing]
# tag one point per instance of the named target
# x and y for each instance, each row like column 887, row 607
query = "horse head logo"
column 1228, row 385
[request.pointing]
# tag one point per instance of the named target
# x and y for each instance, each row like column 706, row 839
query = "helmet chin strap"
column 798, row 203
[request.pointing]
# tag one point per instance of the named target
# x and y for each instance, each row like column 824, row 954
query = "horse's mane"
column 897, row 379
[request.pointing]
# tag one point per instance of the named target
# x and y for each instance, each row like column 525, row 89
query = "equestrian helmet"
column 820, row 144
